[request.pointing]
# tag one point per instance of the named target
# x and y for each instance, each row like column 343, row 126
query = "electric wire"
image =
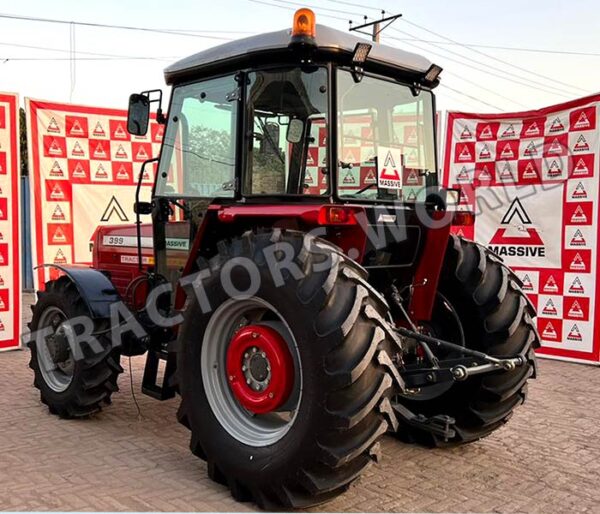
column 178, row 32
column 523, row 81
column 488, row 56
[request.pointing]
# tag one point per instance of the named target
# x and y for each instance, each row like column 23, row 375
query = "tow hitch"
column 417, row 378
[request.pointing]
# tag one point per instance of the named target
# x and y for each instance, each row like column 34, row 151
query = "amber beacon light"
column 304, row 29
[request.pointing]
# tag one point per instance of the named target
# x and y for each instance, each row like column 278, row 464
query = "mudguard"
column 95, row 288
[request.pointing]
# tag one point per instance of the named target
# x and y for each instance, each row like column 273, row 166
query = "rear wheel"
column 70, row 386
column 283, row 390
column 481, row 306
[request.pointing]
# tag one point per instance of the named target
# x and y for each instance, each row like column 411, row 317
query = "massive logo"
column 524, row 229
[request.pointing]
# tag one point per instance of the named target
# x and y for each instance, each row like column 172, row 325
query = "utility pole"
column 377, row 26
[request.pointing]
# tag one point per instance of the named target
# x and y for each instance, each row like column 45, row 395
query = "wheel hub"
column 260, row 368
column 58, row 346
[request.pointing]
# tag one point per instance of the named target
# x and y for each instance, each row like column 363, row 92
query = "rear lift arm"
column 472, row 363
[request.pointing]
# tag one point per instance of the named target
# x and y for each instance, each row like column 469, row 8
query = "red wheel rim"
column 260, row 368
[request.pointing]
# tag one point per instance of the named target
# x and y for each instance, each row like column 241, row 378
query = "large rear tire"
column 496, row 318
column 336, row 325
column 70, row 387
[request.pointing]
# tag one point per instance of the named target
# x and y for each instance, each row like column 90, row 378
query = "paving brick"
column 547, row 459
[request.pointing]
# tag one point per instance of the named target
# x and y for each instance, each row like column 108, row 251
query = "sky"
column 35, row 56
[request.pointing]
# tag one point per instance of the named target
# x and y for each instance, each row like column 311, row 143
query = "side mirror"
column 142, row 208
column 138, row 115
column 295, row 131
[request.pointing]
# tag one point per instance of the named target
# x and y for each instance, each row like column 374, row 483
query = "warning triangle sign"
column 578, row 215
column 59, row 236
column 79, row 171
column 308, row 179
column 53, row 126
column 486, row 133
column 555, row 170
column 122, row 173
column 485, row 152
column 161, row 130
column 465, row 154
column 466, row 133
column 77, row 150
column 582, row 122
column 576, row 287
column 142, row 154
column 309, row 160
column 413, row 178
column 574, row 334
column 1, row 281
column 121, row 153
column 2, row 329
column 1, row 236
column 533, row 129
column 411, row 196
column 58, row 214
column 576, row 311
column 529, row 172
column 531, row 149
column 555, row 147
column 120, row 133
column 410, row 137
column 114, row 209
column 485, row 174
column 581, row 168
column 508, row 131
column 76, row 129
column 101, row 172
column 557, row 125
column 506, row 173
column 99, row 130
column 550, row 286
column 549, row 331
column 581, row 145
column 56, row 170
column 389, row 171
column 60, row 257
column 57, row 193
column 577, row 263
column 2, row 304
column 528, row 236
column 99, row 152
column 527, row 284
column 549, row 309
column 54, row 148
column 349, row 178
column 370, row 178
column 579, row 192
column 507, row 152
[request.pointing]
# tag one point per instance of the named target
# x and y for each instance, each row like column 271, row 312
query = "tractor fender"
column 95, row 288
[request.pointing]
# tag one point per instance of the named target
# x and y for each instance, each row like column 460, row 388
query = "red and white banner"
column 10, row 225
column 532, row 179
column 84, row 168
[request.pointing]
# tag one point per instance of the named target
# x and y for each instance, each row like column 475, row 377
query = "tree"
column 23, row 142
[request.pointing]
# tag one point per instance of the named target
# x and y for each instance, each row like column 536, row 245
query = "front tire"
column 338, row 327
column 70, row 387
column 496, row 318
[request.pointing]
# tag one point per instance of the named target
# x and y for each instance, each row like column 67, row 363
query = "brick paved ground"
column 546, row 460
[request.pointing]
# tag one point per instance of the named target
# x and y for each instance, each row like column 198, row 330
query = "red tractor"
column 299, row 286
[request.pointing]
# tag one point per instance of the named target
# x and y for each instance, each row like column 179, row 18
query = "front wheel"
column 481, row 306
column 283, row 389
column 72, row 386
